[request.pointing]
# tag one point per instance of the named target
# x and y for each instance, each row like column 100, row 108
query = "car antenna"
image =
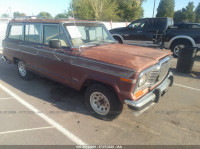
column 79, row 48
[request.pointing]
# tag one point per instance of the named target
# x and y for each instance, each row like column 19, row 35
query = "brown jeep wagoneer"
column 84, row 55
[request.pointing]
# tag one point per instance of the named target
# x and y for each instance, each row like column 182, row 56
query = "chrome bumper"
column 152, row 96
column 3, row 58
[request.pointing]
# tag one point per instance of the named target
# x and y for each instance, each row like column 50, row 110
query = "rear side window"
column 32, row 33
column 196, row 26
column 16, row 32
column 53, row 32
column 157, row 24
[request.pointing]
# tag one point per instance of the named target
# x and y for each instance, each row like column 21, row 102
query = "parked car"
column 158, row 32
column 84, row 56
column 142, row 32
column 187, row 25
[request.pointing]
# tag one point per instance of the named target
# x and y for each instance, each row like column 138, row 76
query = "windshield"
column 88, row 34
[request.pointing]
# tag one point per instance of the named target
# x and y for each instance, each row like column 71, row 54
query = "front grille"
column 157, row 74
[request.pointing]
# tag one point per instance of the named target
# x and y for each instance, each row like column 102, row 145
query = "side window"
column 53, row 32
column 138, row 24
column 195, row 26
column 16, row 32
column 157, row 24
column 32, row 33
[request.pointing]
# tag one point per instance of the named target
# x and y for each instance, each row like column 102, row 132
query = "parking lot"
column 43, row 112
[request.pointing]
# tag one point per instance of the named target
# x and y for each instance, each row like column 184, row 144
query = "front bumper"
column 152, row 96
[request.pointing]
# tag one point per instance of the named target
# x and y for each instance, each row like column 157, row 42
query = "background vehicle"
column 187, row 25
column 159, row 32
column 142, row 32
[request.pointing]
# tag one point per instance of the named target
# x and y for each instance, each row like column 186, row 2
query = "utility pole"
column 10, row 12
column 154, row 8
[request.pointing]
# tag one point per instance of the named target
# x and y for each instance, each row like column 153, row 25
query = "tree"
column 179, row 16
column 5, row 15
column 188, row 12
column 44, row 15
column 82, row 9
column 106, row 10
column 166, row 8
column 130, row 9
column 18, row 14
column 197, row 11
column 61, row 15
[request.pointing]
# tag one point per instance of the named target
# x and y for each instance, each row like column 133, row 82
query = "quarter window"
column 16, row 32
column 32, row 33
column 53, row 32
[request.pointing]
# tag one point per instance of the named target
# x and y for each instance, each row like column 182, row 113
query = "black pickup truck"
column 158, row 32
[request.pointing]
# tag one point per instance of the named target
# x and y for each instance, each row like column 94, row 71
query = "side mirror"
column 55, row 44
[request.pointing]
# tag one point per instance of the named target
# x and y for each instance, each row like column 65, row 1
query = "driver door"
column 135, row 33
column 54, row 63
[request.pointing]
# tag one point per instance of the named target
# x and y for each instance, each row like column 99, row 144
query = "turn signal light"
column 126, row 80
column 140, row 93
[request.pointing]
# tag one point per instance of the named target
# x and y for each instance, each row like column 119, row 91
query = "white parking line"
column 59, row 127
column 187, row 87
column 22, row 130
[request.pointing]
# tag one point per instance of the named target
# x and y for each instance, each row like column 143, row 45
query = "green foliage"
column 18, row 14
column 5, row 15
column 130, row 10
column 106, row 10
column 179, row 16
column 197, row 11
column 166, row 8
column 61, row 15
column 188, row 12
column 44, row 15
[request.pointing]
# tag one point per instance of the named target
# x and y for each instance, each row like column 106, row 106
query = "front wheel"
column 102, row 102
column 22, row 70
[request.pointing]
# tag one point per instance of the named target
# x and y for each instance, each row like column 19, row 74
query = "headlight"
column 142, row 80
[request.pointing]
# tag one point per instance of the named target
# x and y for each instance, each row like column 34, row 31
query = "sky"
column 33, row 7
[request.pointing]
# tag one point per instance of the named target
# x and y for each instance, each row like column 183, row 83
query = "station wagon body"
column 84, row 55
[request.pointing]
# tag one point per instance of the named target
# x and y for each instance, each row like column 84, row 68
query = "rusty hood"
column 133, row 57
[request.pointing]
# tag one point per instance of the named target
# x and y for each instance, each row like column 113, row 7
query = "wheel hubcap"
column 22, row 69
column 177, row 49
column 99, row 103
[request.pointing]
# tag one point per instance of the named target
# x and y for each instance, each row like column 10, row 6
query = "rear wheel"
column 22, row 70
column 177, row 46
column 102, row 102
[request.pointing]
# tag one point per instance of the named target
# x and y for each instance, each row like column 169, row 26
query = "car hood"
column 116, row 30
column 128, row 56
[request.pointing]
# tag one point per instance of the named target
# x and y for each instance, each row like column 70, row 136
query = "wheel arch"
column 118, row 35
column 109, row 85
column 181, row 38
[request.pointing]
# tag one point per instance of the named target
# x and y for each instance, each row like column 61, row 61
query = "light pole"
column 10, row 12
column 154, row 7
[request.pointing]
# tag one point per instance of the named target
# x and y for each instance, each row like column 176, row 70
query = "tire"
column 185, row 60
column 22, row 70
column 118, row 39
column 102, row 102
column 175, row 48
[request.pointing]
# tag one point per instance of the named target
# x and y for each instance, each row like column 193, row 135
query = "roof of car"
column 50, row 21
